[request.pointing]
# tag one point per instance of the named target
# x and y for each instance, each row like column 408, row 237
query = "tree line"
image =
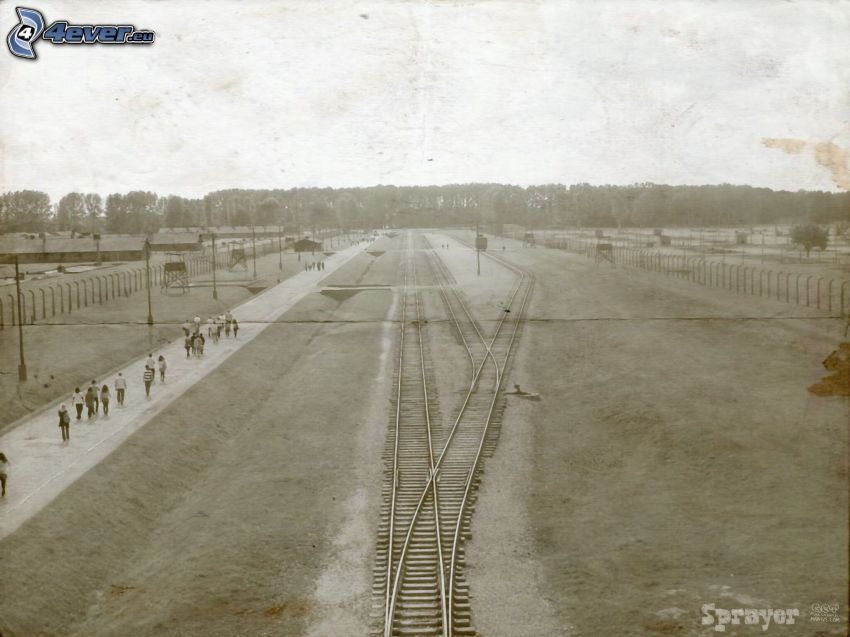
column 541, row 206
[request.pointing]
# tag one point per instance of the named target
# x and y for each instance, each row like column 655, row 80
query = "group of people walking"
column 314, row 265
column 98, row 397
column 93, row 399
column 194, row 339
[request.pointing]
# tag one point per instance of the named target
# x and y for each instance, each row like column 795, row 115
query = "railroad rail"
column 420, row 586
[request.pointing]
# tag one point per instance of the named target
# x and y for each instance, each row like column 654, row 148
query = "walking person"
column 120, row 388
column 148, row 378
column 64, row 422
column 235, row 328
column 93, row 388
column 104, row 399
column 4, row 473
column 187, row 345
column 201, row 343
column 209, row 326
column 91, row 395
column 78, row 400
column 162, row 367
column 150, row 362
column 186, row 328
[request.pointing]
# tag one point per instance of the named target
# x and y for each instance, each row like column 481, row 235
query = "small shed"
column 307, row 245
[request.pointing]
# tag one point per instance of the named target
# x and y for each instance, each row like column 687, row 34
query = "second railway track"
column 432, row 472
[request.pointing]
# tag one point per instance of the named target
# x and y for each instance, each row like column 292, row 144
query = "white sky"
column 262, row 94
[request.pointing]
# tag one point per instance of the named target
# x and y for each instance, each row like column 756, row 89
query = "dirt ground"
column 676, row 459
column 220, row 516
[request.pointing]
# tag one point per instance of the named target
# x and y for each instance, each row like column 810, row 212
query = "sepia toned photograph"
column 424, row 318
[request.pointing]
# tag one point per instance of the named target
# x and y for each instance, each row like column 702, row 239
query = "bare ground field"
column 221, row 515
column 675, row 459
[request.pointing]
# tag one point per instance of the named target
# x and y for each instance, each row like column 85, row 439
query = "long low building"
column 222, row 232
column 47, row 249
column 167, row 241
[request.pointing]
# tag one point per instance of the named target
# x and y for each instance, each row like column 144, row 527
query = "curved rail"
column 481, row 435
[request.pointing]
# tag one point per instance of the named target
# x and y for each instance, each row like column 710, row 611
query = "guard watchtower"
column 605, row 252
column 237, row 257
column 176, row 274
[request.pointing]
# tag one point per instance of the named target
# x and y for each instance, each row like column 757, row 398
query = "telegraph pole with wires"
column 22, row 367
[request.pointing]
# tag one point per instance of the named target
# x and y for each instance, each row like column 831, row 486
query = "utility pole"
column 22, row 367
column 215, row 288
column 148, row 278
column 477, row 249
column 254, row 248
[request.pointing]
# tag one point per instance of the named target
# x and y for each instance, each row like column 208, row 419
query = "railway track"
column 429, row 494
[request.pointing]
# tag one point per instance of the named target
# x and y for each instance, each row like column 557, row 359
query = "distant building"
column 90, row 249
column 172, row 241
column 307, row 245
column 238, row 232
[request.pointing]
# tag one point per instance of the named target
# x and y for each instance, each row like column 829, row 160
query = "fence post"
column 808, row 279
column 43, row 303
column 52, row 301
column 843, row 285
column 12, row 306
column 787, row 285
column 829, row 294
column 99, row 290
